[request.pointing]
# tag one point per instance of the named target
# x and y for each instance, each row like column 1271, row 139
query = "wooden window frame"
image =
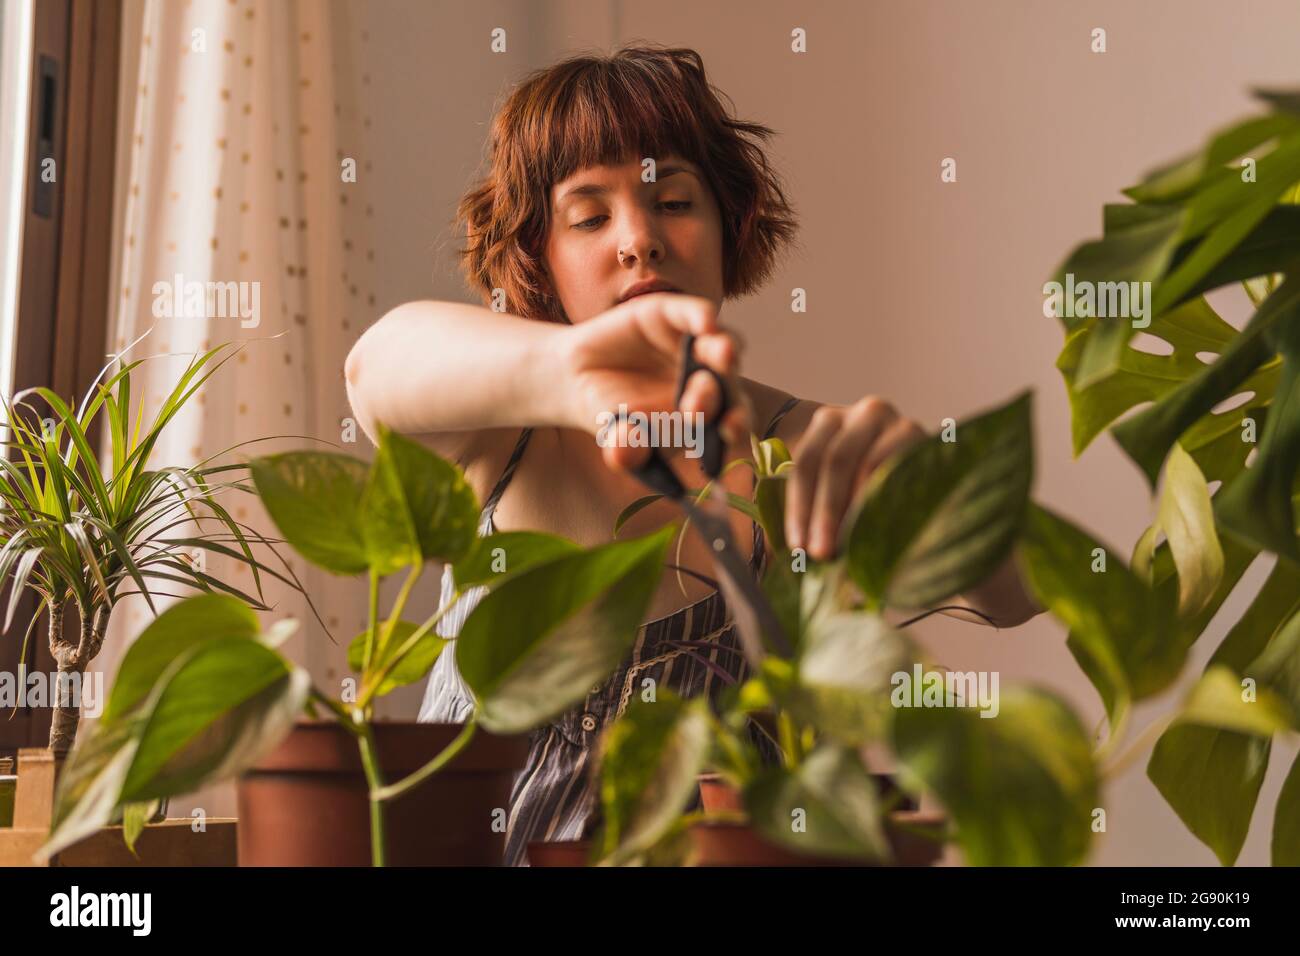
column 61, row 333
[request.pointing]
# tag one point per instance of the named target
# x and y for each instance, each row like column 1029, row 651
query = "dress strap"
column 790, row 403
column 507, row 473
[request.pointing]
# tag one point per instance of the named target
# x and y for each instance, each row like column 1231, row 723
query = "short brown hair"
column 642, row 100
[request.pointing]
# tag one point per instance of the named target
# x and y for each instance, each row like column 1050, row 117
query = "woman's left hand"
column 838, row 451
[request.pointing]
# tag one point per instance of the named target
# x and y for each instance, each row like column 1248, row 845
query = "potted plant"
column 930, row 524
column 81, row 534
column 203, row 695
column 1223, row 414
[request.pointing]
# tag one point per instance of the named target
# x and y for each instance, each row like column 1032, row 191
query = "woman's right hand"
column 631, row 355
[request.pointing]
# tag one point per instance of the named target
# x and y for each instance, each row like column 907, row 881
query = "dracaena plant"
column 81, row 534
column 1221, row 407
column 203, row 693
column 1023, row 783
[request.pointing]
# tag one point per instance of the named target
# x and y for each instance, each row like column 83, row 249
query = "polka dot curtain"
column 245, row 130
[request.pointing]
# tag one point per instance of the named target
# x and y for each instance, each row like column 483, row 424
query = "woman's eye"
column 676, row 205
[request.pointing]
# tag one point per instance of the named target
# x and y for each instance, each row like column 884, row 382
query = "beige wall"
column 923, row 292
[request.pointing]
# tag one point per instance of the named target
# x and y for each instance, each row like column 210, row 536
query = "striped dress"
column 554, row 797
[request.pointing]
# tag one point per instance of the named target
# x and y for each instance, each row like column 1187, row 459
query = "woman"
column 622, row 207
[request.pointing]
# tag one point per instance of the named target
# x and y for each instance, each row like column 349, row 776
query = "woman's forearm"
column 429, row 367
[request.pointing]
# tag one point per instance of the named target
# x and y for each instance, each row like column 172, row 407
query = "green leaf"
column 648, row 764
column 826, row 807
column 1236, row 559
column 175, row 632
column 1118, row 632
column 414, row 663
column 1269, row 248
column 633, row 509
column 1137, row 246
column 1187, row 518
column 314, row 498
column 1021, row 788
column 230, row 701
column 1211, row 779
column 214, row 709
column 415, row 507
column 1277, row 602
column 771, row 457
column 1285, row 100
column 1286, row 820
column 1219, row 700
column 847, row 666
column 942, row 515
column 536, row 644
column 1256, row 506
column 1227, row 212
column 498, row 556
column 134, row 818
column 1143, row 377
column 769, row 503
column 1147, row 436
column 1180, row 179
column 1278, row 665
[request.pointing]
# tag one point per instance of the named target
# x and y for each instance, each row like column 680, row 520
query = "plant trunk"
column 71, row 659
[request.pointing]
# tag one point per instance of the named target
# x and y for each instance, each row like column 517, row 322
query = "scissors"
column 753, row 612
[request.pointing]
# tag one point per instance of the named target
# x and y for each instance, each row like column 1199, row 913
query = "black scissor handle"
column 655, row 473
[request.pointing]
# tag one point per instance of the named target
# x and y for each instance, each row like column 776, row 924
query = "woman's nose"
column 640, row 243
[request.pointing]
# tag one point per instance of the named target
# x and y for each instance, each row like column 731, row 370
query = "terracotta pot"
column 718, row 795
column 305, row 803
column 720, row 843
column 559, row 853
column 739, row 844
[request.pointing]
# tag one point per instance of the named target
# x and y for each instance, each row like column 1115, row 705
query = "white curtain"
column 240, row 125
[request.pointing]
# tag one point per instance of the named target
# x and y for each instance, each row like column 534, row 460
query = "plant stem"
column 1116, row 735
column 370, row 760
column 71, row 659
column 789, row 739
column 63, row 723
column 395, row 615
column 338, row 710
column 373, row 617
column 732, row 748
column 395, row 790
column 370, row 685
column 1139, row 744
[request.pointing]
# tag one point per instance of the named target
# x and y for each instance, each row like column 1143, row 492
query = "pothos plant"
column 82, row 534
column 930, row 524
column 203, row 692
column 1220, row 408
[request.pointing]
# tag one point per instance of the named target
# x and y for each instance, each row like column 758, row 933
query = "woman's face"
column 610, row 231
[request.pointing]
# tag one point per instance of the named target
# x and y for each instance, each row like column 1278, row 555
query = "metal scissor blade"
column 753, row 612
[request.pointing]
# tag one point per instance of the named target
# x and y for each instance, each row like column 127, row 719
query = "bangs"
column 612, row 113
